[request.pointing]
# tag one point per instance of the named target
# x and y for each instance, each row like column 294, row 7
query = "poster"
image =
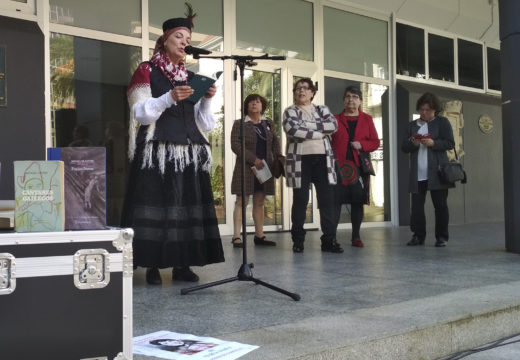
column 175, row 346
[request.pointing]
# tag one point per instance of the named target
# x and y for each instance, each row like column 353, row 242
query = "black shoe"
column 332, row 247
column 415, row 241
column 297, row 248
column 184, row 274
column 263, row 242
column 153, row 277
column 441, row 242
column 237, row 242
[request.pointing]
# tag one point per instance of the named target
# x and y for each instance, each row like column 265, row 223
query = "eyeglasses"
column 301, row 88
column 352, row 97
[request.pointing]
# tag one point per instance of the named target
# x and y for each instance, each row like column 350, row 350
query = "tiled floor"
column 384, row 272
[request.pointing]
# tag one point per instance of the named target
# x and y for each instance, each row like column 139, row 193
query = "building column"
column 510, row 69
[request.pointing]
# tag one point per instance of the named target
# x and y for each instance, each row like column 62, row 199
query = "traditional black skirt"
column 172, row 214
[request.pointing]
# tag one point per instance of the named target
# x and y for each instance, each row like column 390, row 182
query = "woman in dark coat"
column 427, row 139
column 169, row 201
column 261, row 143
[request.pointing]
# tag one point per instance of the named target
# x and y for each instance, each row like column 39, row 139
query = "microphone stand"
column 244, row 273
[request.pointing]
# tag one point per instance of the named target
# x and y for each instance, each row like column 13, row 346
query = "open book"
column 201, row 84
column 263, row 174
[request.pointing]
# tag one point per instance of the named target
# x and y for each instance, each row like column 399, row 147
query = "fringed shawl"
column 140, row 90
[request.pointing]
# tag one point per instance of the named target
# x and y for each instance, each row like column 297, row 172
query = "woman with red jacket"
column 356, row 133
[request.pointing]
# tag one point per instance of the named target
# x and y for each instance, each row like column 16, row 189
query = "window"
column 267, row 85
column 493, row 69
column 208, row 24
column 470, row 64
column 355, row 44
column 440, row 58
column 117, row 16
column 21, row 6
column 215, row 136
column 276, row 27
column 88, row 98
column 410, row 51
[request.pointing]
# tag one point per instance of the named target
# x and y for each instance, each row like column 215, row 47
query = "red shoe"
column 357, row 242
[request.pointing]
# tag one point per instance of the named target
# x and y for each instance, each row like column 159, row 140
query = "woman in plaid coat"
column 261, row 143
column 310, row 159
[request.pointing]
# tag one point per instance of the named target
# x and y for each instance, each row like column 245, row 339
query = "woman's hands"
column 183, row 92
column 356, row 145
column 211, row 91
column 180, row 93
column 259, row 164
column 427, row 142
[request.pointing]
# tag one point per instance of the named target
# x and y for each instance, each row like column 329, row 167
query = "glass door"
column 267, row 83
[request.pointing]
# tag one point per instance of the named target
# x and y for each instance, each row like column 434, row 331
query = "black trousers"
column 442, row 215
column 314, row 170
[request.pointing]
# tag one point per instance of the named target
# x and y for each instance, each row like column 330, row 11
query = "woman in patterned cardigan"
column 261, row 143
column 310, row 159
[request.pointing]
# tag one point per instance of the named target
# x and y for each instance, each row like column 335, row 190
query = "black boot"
column 441, row 242
column 416, row 240
column 297, row 246
column 153, row 277
column 184, row 274
column 263, row 242
column 331, row 246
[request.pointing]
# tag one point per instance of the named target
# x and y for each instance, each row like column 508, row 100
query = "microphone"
column 192, row 50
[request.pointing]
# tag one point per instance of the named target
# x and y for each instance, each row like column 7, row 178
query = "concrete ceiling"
column 471, row 19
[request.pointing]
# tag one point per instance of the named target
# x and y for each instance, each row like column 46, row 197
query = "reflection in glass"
column 372, row 105
column 216, row 136
column 440, row 57
column 268, row 85
column 355, row 44
column 276, row 27
column 470, row 64
column 208, row 24
column 88, row 103
column 410, row 51
column 493, row 68
column 116, row 16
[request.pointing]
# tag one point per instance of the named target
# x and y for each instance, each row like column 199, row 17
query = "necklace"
column 259, row 131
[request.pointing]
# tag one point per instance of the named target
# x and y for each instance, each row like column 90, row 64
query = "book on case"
column 85, row 186
column 6, row 214
column 39, row 196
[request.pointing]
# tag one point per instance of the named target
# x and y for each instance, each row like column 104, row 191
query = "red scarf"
column 176, row 74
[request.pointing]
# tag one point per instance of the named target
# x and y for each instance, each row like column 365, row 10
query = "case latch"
column 91, row 268
column 7, row 274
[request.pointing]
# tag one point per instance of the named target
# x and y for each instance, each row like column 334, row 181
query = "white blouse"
column 148, row 111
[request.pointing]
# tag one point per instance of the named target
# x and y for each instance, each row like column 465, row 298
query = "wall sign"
column 3, row 86
column 485, row 124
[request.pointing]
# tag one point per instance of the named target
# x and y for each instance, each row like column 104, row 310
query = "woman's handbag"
column 366, row 163
column 278, row 166
column 452, row 172
column 348, row 173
